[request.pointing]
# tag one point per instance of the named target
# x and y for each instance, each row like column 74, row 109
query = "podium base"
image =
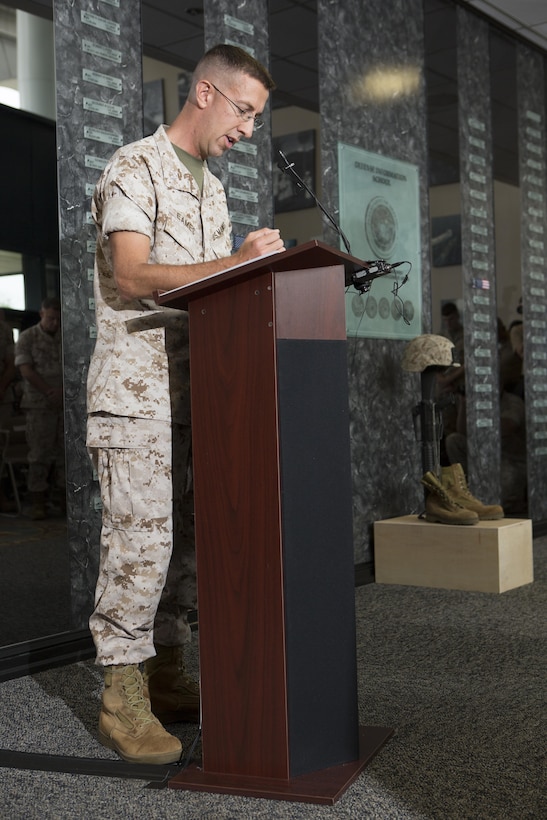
column 325, row 786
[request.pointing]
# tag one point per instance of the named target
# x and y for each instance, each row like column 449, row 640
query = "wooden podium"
column 274, row 541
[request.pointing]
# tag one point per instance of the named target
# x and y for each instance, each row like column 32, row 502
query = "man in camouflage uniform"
column 7, row 369
column 162, row 222
column 7, row 375
column 38, row 355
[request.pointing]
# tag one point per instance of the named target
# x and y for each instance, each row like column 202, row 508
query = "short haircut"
column 449, row 308
column 235, row 59
column 51, row 303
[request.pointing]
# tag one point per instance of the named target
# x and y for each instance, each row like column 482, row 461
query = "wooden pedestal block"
column 491, row 556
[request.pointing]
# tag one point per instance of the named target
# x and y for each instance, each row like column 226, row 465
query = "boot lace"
column 436, row 488
column 132, row 686
column 446, row 497
column 462, row 488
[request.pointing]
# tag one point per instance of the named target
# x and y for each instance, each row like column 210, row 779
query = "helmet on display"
column 427, row 350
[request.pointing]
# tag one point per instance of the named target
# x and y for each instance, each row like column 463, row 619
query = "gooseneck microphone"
column 361, row 279
column 289, row 167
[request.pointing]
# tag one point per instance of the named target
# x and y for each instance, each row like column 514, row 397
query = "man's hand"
column 259, row 243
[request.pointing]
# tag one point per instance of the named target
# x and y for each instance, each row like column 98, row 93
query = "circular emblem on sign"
column 383, row 308
column 380, row 227
column 371, row 307
column 396, row 311
column 358, row 305
column 409, row 310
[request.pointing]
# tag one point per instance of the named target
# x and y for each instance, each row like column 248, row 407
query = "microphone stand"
column 289, row 166
column 361, row 279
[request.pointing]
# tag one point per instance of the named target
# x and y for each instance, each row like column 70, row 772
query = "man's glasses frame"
column 246, row 116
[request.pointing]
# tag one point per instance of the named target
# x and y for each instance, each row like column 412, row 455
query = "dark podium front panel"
column 317, row 536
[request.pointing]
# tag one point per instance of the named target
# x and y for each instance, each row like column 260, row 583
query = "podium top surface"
column 312, row 254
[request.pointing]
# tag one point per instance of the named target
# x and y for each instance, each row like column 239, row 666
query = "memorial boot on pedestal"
column 454, row 481
column 126, row 723
column 441, row 507
column 174, row 696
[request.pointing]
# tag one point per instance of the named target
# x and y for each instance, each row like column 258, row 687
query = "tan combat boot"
column 174, row 696
column 126, row 723
column 453, row 480
column 440, row 506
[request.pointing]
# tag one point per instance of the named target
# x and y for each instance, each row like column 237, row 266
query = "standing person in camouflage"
column 38, row 355
column 7, row 368
column 163, row 222
column 7, row 375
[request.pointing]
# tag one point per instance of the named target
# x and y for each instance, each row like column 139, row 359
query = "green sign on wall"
column 380, row 215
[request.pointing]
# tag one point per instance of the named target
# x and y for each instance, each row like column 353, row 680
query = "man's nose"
column 247, row 128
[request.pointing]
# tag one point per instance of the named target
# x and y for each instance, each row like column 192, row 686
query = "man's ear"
column 203, row 93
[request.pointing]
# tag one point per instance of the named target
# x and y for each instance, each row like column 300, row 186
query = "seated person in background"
column 7, row 376
column 513, row 450
column 7, row 370
column 511, row 362
column 38, row 356
column 505, row 351
column 451, row 383
column 453, row 380
column 516, row 337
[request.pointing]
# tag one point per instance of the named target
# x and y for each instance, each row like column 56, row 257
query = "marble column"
column 99, row 107
column 359, row 39
column 531, row 93
column 35, row 64
column 478, row 257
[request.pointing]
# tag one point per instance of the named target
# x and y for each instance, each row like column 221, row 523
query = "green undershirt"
column 195, row 166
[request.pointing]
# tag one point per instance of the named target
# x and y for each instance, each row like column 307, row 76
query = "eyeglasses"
column 246, row 116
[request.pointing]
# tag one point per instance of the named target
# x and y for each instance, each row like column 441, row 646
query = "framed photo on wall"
column 446, row 241
column 300, row 149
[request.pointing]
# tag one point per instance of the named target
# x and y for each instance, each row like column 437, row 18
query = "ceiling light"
column 387, row 84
